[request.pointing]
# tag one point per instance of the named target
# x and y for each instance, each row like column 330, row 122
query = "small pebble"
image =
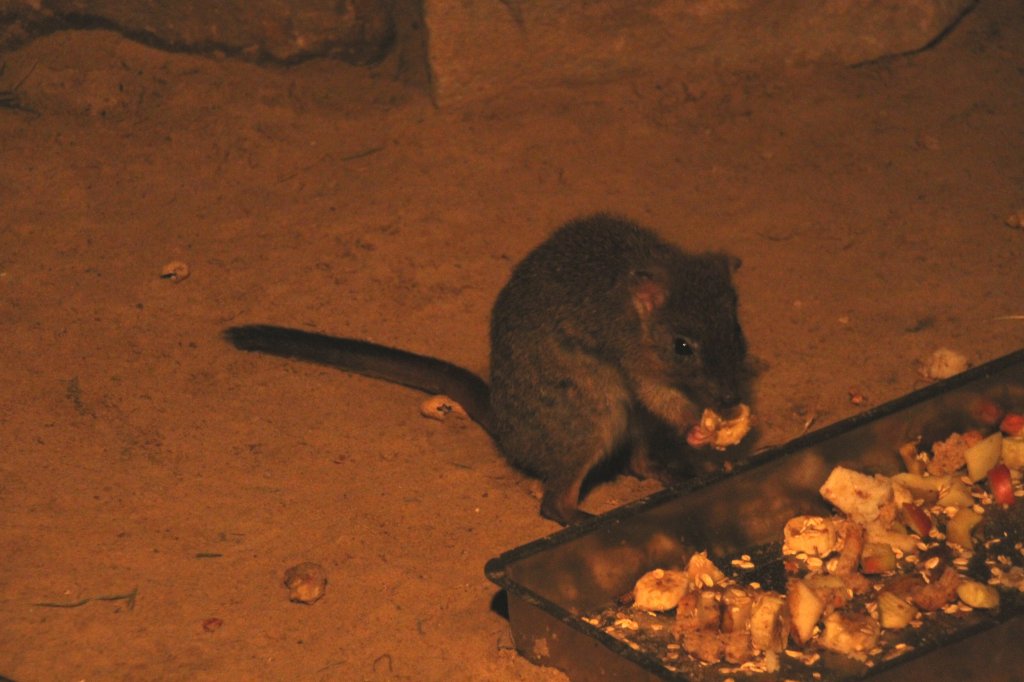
column 306, row 582
column 175, row 271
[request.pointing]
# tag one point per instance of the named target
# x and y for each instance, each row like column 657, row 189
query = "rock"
column 480, row 47
column 355, row 31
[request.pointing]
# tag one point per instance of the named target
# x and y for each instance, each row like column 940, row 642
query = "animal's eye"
column 682, row 347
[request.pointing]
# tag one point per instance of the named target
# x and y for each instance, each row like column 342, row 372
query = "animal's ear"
column 727, row 261
column 648, row 291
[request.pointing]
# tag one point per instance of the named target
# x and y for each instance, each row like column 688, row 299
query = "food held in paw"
column 719, row 432
column 306, row 582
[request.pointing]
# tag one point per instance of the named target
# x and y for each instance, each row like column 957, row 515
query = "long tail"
column 423, row 373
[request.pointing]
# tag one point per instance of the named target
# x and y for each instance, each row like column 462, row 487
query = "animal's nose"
column 728, row 399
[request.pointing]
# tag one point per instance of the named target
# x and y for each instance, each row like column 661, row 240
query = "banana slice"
column 659, row 590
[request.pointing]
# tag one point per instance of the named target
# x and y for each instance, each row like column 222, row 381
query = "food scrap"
column 440, row 407
column 1015, row 219
column 942, row 364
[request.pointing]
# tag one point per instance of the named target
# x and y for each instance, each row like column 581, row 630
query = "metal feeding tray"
column 553, row 583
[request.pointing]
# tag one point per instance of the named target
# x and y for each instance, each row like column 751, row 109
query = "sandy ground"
column 143, row 456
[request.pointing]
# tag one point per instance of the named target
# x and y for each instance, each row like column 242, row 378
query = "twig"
column 386, row 658
column 327, row 157
column 359, row 155
column 25, row 78
column 9, row 98
column 130, row 598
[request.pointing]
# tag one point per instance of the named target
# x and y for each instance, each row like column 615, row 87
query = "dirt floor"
column 157, row 483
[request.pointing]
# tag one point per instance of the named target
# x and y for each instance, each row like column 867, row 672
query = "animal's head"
column 692, row 338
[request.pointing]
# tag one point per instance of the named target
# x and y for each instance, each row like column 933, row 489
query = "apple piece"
column 916, row 519
column 686, row 614
column 1002, row 485
column 831, row 589
column 769, row 622
column 896, row 537
column 908, row 453
column 958, row 530
column 978, row 595
column 956, row 494
column 1013, row 452
column 852, row 634
column 894, row 613
column 737, row 607
column 709, row 609
column 877, row 558
column 699, row 610
column 1012, row 424
column 983, row 455
column 926, row 488
column 737, row 647
column 702, row 572
column 987, row 412
column 805, row 608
